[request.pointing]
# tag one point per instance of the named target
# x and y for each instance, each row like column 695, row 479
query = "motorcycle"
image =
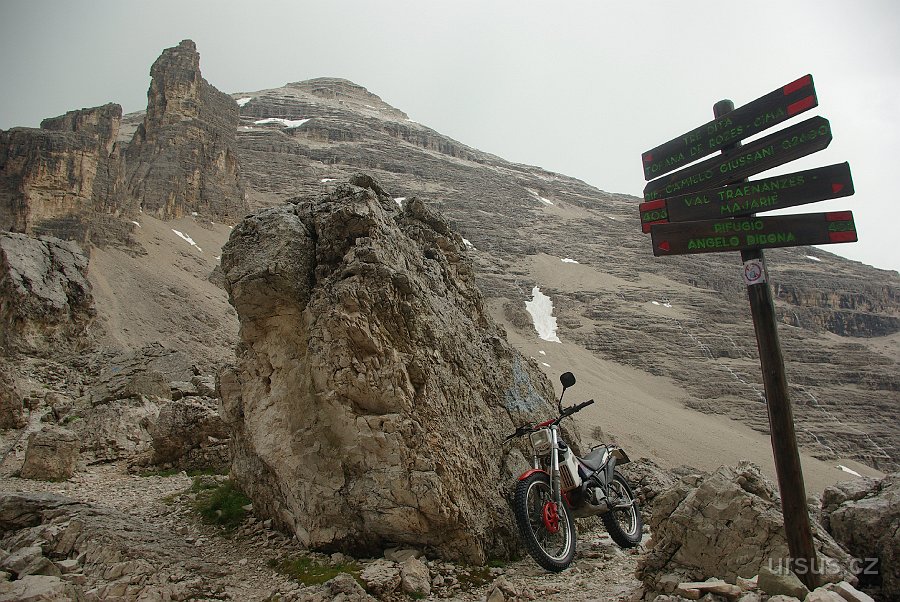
column 560, row 487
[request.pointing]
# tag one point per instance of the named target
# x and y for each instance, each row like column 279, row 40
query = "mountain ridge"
column 679, row 317
column 510, row 212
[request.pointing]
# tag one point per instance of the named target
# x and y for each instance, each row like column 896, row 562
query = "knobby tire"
column 624, row 526
column 554, row 552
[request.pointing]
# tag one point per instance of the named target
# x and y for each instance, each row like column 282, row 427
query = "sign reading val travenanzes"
column 709, row 206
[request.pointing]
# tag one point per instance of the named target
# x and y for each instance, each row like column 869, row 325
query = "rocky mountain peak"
column 344, row 91
column 182, row 158
column 175, row 87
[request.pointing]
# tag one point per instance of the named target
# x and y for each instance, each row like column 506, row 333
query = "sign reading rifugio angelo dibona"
column 738, row 234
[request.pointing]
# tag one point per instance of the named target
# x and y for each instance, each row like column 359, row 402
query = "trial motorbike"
column 561, row 487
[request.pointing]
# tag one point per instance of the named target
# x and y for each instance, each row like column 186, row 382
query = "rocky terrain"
column 314, row 351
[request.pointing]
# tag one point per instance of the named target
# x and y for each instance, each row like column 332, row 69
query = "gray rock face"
column 52, row 454
column 373, row 390
column 46, row 298
column 123, row 402
column 865, row 518
column 115, row 556
column 39, row 588
column 727, row 524
column 182, row 158
column 117, row 429
column 12, row 409
column 145, row 372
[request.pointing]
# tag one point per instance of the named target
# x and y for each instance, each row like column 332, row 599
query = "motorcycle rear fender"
column 619, row 454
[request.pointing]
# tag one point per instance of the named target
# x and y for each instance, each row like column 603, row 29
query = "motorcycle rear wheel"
column 623, row 525
column 553, row 550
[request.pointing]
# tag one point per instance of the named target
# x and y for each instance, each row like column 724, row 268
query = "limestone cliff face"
column 373, row 391
column 845, row 309
column 66, row 178
column 182, row 158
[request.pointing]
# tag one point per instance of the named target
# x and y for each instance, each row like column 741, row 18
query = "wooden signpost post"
column 710, row 207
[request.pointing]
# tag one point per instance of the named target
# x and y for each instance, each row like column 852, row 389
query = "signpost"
column 710, row 207
column 766, row 194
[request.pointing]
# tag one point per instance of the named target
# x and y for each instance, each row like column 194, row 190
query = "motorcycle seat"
column 594, row 459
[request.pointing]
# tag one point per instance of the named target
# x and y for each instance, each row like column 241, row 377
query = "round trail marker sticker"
column 754, row 272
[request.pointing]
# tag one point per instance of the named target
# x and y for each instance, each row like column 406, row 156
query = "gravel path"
column 244, row 558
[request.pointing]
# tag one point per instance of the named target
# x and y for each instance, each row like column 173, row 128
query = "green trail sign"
column 752, row 118
column 743, row 233
column 757, row 196
column 776, row 149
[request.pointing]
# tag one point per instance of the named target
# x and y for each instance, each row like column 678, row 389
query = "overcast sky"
column 580, row 88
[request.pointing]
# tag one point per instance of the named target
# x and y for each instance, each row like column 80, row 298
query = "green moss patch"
column 219, row 504
column 309, row 571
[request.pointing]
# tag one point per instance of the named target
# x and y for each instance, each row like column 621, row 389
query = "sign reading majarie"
column 767, row 194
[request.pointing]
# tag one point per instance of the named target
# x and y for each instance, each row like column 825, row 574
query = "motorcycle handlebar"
column 576, row 408
column 524, row 430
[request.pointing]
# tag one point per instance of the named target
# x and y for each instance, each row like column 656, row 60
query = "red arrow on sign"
column 836, row 188
column 663, row 246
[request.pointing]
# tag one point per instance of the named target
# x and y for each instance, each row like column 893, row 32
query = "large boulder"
column 864, row 516
column 52, row 454
column 373, row 390
column 727, row 524
column 45, row 298
column 183, row 426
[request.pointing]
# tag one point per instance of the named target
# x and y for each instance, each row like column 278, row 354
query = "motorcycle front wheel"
column 623, row 522
column 547, row 528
